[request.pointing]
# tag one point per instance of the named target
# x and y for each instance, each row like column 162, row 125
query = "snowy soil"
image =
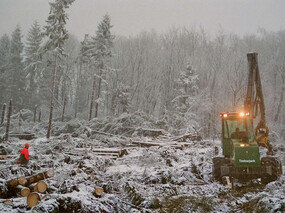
column 154, row 179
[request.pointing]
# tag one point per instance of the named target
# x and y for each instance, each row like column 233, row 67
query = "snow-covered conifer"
column 184, row 113
column 32, row 63
column 15, row 77
column 99, row 50
column 56, row 34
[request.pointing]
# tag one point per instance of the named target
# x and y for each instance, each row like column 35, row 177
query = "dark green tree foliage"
column 56, row 33
column 33, row 64
column 15, row 73
column 4, row 57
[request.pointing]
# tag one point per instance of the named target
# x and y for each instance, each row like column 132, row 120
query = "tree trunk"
column 35, row 113
column 92, row 97
column 77, row 92
column 51, row 100
column 99, row 89
column 40, row 113
column 281, row 98
column 20, row 118
column 3, row 113
column 63, row 108
column 8, row 120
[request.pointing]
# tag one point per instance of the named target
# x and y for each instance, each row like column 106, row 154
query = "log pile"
column 30, row 187
column 188, row 137
column 22, row 136
column 112, row 153
column 173, row 145
column 150, row 132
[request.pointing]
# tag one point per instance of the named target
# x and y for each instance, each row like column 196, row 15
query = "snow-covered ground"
column 153, row 179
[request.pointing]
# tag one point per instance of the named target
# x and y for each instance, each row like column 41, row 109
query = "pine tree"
column 33, row 64
column 100, row 51
column 4, row 57
column 56, row 33
column 15, row 74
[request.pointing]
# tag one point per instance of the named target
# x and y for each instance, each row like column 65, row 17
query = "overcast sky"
column 129, row 17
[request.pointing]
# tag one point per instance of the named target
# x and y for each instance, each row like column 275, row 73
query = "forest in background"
column 183, row 78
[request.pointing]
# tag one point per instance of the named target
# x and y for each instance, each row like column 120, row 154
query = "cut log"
column 4, row 157
column 17, row 181
column 145, row 144
column 40, row 186
column 181, row 147
column 22, row 180
column 108, row 154
column 150, row 132
column 9, row 202
column 98, row 192
column 33, row 199
column 40, row 176
column 24, row 191
column 24, row 136
column 113, row 152
column 94, row 132
column 191, row 137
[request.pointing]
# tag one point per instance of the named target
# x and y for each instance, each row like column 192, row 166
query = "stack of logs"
column 173, row 145
column 30, row 187
column 112, row 153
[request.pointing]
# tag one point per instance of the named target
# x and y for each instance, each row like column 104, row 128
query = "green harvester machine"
column 241, row 140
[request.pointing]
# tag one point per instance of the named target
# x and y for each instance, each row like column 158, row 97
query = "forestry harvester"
column 241, row 140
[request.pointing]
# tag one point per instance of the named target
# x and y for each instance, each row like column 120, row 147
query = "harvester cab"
column 241, row 140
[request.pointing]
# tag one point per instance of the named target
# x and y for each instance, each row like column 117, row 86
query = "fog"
column 130, row 17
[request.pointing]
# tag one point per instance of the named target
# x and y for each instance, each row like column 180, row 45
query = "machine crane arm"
column 254, row 102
